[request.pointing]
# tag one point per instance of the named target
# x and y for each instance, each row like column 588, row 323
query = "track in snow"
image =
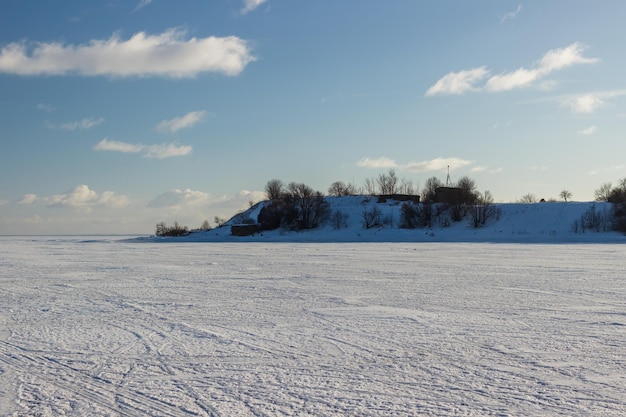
column 116, row 329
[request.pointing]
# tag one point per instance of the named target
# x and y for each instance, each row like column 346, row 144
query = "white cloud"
column 166, row 150
column 115, row 146
column 86, row 123
column 511, row 15
column 28, row 199
column 112, row 200
column 167, row 54
column 436, row 164
column 377, row 163
column 484, row 168
column 79, row 197
column 553, row 60
column 458, row 82
column 516, row 79
column 587, row 103
column 249, row 5
column 607, row 169
column 192, row 206
column 557, row 59
column 177, row 198
column 245, row 196
column 226, row 205
column 588, row 131
column 142, row 4
column 45, row 107
column 159, row 151
column 183, row 122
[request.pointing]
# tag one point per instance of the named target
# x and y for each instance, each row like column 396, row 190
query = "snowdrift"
column 550, row 222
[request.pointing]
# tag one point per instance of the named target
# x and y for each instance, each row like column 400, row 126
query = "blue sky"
column 119, row 114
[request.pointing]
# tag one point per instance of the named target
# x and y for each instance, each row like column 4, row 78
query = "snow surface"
column 514, row 223
column 111, row 328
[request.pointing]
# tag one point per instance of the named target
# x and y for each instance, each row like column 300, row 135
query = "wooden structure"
column 244, row 229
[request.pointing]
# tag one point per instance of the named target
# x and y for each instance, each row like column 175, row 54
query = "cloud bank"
column 468, row 80
column 377, row 163
column 192, row 204
column 159, row 151
column 79, row 197
column 436, row 164
column 178, row 198
column 167, row 54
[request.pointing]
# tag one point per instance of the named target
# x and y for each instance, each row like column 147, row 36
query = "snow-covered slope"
column 513, row 222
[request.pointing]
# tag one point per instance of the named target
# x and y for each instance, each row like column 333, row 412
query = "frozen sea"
column 101, row 327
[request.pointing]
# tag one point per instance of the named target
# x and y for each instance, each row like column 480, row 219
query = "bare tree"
column 483, row 209
column 430, row 189
column 312, row 208
column 372, row 217
column 274, row 189
column 528, row 198
column 387, row 183
column 339, row 220
column 161, row 229
column 603, row 193
column 468, row 190
column 565, row 195
column 339, row 188
column 370, row 186
column 407, row 187
column 205, row 225
column 409, row 215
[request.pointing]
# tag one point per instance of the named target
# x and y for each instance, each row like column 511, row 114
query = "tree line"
column 297, row 206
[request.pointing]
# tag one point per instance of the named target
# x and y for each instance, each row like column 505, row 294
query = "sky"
column 116, row 115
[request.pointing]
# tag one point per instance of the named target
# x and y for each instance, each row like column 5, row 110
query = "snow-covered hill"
column 514, row 222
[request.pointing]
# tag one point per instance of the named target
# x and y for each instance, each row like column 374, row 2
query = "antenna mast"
column 448, row 182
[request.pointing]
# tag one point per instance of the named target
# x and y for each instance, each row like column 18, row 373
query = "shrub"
column 618, row 199
column 372, row 217
column 483, row 209
column 593, row 219
column 163, row 229
column 272, row 214
column 297, row 208
column 410, row 215
column 339, row 189
column 339, row 220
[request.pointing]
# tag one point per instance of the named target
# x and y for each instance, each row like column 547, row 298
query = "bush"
column 410, row 215
column 618, row 199
column 339, row 220
column 298, row 208
column 372, row 217
column 593, row 219
column 483, row 209
column 339, row 189
column 163, row 229
column 273, row 214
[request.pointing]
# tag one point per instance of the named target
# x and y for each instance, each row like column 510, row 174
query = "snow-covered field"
column 101, row 328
